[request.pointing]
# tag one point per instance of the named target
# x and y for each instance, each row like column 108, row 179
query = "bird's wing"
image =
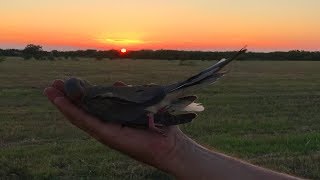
column 121, row 104
column 111, row 110
column 142, row 95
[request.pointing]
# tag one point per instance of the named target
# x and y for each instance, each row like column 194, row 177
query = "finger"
column 58, row 84
column 52, row 93
column 119, row 84
column 83, row 120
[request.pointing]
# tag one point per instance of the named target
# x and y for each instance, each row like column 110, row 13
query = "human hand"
column 143, row 145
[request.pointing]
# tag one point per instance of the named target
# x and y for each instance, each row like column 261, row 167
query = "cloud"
column 119, row 41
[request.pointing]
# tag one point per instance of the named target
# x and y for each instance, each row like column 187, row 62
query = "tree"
column 34, row 51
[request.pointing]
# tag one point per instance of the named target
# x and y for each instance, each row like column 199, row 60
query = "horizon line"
column 76, row 48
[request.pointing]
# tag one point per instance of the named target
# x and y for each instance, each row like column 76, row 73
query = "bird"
column 148, row 106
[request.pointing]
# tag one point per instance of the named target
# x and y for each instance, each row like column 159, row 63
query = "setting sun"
column 123, row 50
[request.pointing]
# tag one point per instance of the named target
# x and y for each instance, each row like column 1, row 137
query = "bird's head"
column 75, row 88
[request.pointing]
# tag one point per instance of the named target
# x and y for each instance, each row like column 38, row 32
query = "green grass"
column 264, row 112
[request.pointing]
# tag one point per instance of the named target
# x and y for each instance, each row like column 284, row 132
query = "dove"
column 145, row 106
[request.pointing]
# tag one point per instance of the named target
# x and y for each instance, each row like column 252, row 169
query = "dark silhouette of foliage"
column 33, row 51
column 36, row 51
column 11, row 52
column 51, row 56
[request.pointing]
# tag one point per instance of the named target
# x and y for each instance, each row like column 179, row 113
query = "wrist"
column 180, row 161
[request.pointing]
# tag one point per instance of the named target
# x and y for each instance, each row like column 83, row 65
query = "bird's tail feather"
column 184, row 105
column 193, row 107
column 207, row 76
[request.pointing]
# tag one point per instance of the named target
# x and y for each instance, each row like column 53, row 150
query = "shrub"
column 2, row 59
column 27, row 56
column 51, row 58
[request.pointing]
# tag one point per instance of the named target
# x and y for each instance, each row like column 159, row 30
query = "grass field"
column 267, row 113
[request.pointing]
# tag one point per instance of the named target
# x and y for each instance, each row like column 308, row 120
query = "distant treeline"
column 36, row 52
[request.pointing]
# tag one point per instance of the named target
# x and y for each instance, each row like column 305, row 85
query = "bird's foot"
column 155, row 126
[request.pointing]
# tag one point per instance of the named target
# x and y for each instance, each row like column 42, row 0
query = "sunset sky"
column 161, row 24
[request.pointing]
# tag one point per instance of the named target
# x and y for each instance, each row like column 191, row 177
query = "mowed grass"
column 267, row 113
